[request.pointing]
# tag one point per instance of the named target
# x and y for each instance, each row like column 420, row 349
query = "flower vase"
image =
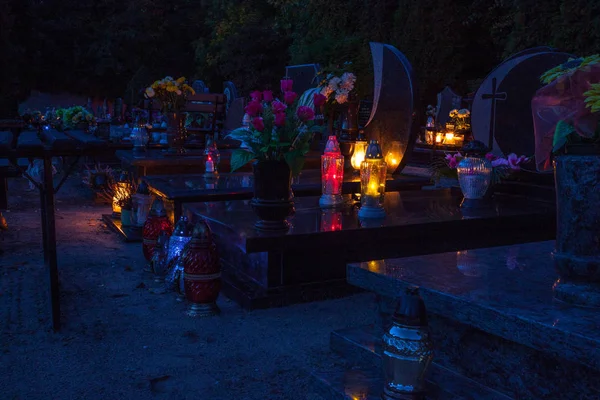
column 175, row 132
column 272, row 200
column 350, row 121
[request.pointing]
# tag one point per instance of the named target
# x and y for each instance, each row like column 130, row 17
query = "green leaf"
column 240, row 157
column 295, row 161
column 317, row 129
column 561, row 133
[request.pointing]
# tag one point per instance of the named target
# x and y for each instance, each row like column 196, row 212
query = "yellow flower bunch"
column 592, row 98
column 572, row 65
column 172, row 93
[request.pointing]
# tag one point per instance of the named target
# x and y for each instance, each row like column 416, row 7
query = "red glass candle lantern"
column 157, row 222
column 332, row 174
column 202, row 272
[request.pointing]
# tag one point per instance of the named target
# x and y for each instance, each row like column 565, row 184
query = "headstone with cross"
column 501, row 111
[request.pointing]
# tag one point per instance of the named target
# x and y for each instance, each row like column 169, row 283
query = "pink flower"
column 267, row 96
column 490, row 157
column 278, row 107
column 286, row 85
column 453, row 163
column 499, row 162
column 290, row 97
column 305, row 113
column 256, row 95
column 279, row 119
column 258, row 124
column 319, row 99
column 253, row 108
column 453, row 160
column 514, row 162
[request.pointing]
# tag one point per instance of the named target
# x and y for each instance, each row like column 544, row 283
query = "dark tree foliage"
column 110, row 48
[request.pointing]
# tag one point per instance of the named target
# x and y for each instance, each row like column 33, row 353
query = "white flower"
column 341, row 96
column 326, row 91
column 348, row 81
column 150, row 92
column 178, row 92
column 333, row 83
column 463, row 112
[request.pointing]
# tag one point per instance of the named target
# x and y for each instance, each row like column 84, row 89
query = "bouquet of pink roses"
column 278, row 129
column 501, row 167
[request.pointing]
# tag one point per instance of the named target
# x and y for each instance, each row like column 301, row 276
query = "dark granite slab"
column 321, row 242
column 501, row 365
column 417, row 222
column 367, row 384
column 127, row 233
column 504, row 291
column 239, row 185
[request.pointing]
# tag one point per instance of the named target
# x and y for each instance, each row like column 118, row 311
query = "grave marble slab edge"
column 522, row 311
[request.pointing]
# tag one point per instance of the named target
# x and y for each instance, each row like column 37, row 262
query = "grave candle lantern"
column 157, row 222
column 142, row 200
column 438, row 138
column 332, row 174
column 449, row 138
column 358, row 156
column 372, row 183
column 212, row 158
column 474, row 174
column 180, row 237
column 393, row 157
column 202, row 272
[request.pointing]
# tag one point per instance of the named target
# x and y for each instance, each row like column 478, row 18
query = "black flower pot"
column 272, row 200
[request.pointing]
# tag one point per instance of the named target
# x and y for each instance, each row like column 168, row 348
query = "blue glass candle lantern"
column 373, row 172
column 180, row 237
column 332, row 174
column 474, row 174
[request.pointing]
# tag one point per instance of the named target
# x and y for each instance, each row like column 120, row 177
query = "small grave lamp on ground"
column 212, row 156
column 122, row 190
column 142, row 201
column 180, row 237
column 332, row 174
column 372, row 182
column 474, row 174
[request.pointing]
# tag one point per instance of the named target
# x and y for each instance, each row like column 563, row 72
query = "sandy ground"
column 121, row 341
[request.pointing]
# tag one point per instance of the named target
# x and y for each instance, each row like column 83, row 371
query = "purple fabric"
column 562, row 99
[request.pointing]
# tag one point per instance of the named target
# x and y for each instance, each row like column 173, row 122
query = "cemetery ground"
column 120, row 340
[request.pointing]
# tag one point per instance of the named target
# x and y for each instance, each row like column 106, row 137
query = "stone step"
column 362, row 350
column 493, row 318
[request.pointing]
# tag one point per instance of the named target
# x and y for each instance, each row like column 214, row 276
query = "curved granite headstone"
column 230, row 92
column 394, row 99
column 501, row 111
column 200, row 87
column 304, row 76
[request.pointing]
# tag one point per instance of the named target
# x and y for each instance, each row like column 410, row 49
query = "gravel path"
column 122, row 341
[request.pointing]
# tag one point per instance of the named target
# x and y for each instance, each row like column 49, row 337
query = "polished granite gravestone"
column 304, row 76
column 493, row 319
column 447, row 100
column 501, row 111
column 177, row 190
column 263, row 270
column 394, row 99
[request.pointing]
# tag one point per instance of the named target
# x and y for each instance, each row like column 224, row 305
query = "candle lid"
column 158, row 208
column 181, row 228
column 143, row 188
column 410, row 310
column 332, row 145
column 373, row 150
column 475, row 148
